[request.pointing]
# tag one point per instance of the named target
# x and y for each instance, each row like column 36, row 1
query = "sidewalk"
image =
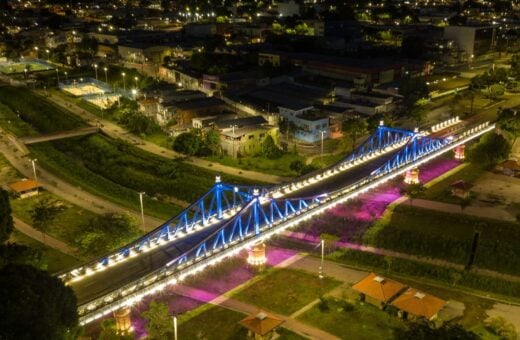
column 224, row 301
column 16, row 155
column 115, row 131
column 37, row 235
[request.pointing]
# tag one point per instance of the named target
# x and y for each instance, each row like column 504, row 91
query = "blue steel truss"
column 213, row 205
column 382, row 138
column 418, row 147
column 255, row 217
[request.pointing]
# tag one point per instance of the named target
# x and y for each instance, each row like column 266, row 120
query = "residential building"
column 245, row 140
column 474, row 40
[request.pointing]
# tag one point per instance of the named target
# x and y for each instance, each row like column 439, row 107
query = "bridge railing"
column 222, row 201
column 383, row 140
column 177, row 271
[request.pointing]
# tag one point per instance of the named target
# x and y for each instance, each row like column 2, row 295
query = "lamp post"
column 66, row 77
column 136, row 79
column 174, row 327
column 37, row 52
column 106, row 74
column 58, row 76
column 142, row 206
column 320, row 275
column 124, row 80
column 95, row 68
column 48, row 56
column 33, row 162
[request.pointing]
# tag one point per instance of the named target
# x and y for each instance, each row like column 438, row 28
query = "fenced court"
column 17, row 67
column 102, row 101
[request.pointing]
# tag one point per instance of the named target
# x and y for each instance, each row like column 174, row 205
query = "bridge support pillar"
column 256, row 255
column 459, row 152
column 123, row 322
column 412, row 176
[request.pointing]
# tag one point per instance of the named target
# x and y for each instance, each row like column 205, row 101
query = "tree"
column 109, row 331
column 297, row 166
column 330, row 240
column 12, row 253
column 212, row 142
column 44, row 213
column 35, row 305
column 414, row 191
column 187, row 143
column 6, row 220
column 107, row 232
column 354, row 127
column 491, row 149
column 423, row 331
column 270, row 149
column 159, row 323
column 509, row 121
column 413, row 90
column 499, row 326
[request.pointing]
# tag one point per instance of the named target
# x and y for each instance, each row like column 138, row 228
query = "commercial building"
column 473, row 40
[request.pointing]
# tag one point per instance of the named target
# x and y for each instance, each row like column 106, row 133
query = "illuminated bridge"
column 230, row 218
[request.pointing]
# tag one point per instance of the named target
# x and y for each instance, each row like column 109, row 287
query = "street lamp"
column 321, row 276
column 136, row 79
column 124, row 80
column 95, row 68
column 37, row 53
column 66, row 77
column 48, row 57
column 106, row 75
column 33, row 162
column 174, row 328
column 142, row 207
column 58, row 76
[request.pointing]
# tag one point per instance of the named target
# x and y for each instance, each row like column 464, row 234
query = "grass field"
column 56, row 260
column 67, row 224
column 278, row 167
column 274, row 293
column 20, row 67
column 441, row 190
column 362, row 322
column 449, row 236
column 217, row 323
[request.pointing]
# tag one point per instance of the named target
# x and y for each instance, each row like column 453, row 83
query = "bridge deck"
column 113, row 277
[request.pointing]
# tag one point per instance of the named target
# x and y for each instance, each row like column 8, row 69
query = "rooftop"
column 261, row 323
column 378, row 287
column 24, row 185
column 419, row 303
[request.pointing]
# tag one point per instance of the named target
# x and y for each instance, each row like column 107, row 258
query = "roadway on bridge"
column 112, row 277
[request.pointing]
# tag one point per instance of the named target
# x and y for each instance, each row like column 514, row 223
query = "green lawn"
column 484, row 334
column 285, row 290
column 219, row 323
column 7, row 173
column 278, row 167
column 20, row 67
column 56, row 260
column 362, row 322
column 67, row 224
column 448, row 236
column 441, row 190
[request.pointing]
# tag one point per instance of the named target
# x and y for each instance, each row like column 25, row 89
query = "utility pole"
column 33, row 162
column 174, row 328
column 321, row 276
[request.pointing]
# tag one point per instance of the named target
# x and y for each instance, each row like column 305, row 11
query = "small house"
column 25, row 188
column 261, row 326
column 413, row 304
column 378, row 290
column 460, row 189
